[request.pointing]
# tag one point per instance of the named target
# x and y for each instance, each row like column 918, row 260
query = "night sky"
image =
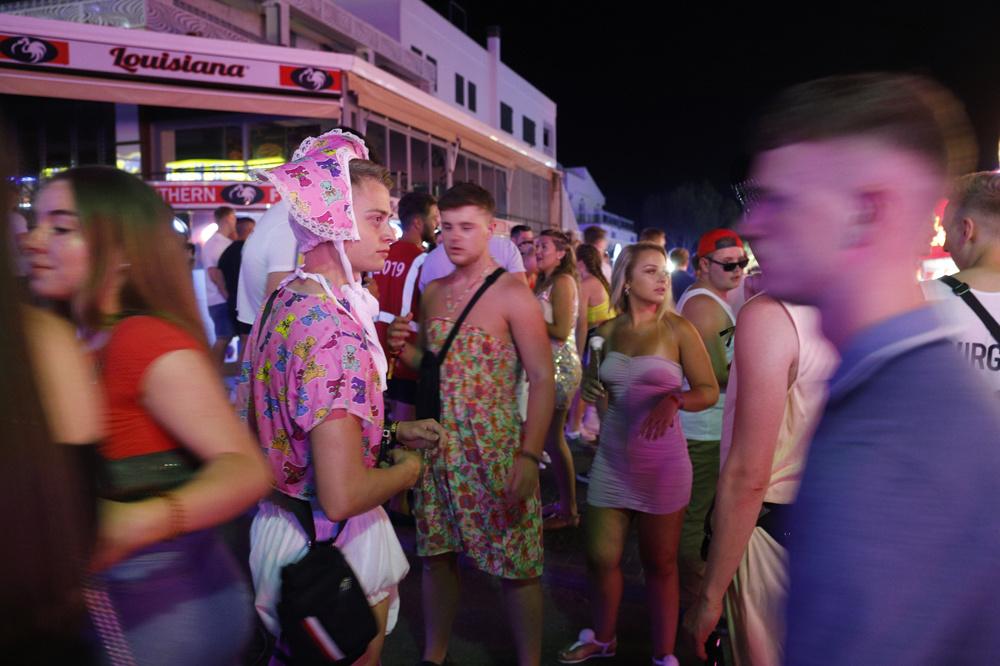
column 648, row 103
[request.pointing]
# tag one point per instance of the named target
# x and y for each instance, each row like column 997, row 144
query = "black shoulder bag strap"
column 963, row 291
column 487, row 283
column 266, row 313
column 302, row 510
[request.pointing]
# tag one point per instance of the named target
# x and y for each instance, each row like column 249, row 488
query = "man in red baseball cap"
column 719, row 267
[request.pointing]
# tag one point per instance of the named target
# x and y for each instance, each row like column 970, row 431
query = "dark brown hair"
column 908, row 112
column 413, row 205
column 594, row 234
column 223, row 211
column 567, row 266
column 467, row 194
column 48, row 519
column 590, row 256
column 129, row 228
column 653, row 234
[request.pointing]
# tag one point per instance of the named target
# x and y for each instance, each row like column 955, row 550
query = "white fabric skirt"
column 755, row 602
column 368, row 542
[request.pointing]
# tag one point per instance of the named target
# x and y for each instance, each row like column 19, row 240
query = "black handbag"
column 324, row 613
column 429, row 383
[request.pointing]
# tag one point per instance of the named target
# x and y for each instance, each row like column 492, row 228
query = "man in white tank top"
column 972, row 223
column 720, row 262
column 783, row 362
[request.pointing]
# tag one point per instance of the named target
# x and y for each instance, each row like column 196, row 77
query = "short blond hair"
column 362, row 170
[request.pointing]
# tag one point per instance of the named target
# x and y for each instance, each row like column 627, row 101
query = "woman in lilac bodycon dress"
column 641, row 470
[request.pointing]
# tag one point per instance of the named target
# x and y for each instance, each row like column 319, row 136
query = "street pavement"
column 481, row 635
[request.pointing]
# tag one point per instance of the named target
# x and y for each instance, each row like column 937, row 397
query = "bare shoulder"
column 565, row 279
column 433, row 287
column 52, row 343
column 702, row 309
column 510, row 285
column 678, row 325
column 762, row 312
column 608, row 328
column 43, row 326
column 700, row 303
column 65, row 377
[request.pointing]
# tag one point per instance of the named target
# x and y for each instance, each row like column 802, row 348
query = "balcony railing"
column 603, row 217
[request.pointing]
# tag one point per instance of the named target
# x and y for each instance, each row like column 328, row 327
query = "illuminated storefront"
column 180, row 109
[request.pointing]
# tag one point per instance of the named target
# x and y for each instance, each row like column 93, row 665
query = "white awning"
column 98, row 89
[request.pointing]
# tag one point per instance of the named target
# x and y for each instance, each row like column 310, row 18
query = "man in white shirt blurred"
column 269, row 256
column 215, row 283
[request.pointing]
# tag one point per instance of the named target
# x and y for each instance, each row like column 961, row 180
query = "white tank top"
column 707, row 425
column 973, row 340
column 803, row 405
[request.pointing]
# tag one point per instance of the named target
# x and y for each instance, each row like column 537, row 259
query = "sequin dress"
column 459, row 504
column 569, row 370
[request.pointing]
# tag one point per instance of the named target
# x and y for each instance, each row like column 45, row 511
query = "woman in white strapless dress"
column 642, row 470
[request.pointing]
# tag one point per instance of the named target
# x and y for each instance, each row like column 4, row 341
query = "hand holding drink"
column 592, row 389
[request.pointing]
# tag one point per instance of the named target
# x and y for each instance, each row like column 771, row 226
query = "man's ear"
column 969, row 229
column 865, row 219
column 492, row 226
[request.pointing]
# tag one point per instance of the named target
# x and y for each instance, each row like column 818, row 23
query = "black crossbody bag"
column 429, row 384
column 324, row 613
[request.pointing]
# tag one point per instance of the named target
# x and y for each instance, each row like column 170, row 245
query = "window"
column 439, row 170
column 278, row 140
column 506, row 118
column 375, row 138
column 416, row 50
column 224, row 143
column 472, row 96
column 399, row 160
column 501, row 193
column 528, row 130
column 420, row 166
column 488, row 180
column 460, row 89
column 432, row 60
column 546, row 138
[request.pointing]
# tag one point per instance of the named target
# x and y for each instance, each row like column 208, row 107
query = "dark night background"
column 656, row 98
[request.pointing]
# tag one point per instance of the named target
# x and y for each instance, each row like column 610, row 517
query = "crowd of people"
column 811, row 463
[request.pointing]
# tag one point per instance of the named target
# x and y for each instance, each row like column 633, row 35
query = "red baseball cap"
column 717, row 239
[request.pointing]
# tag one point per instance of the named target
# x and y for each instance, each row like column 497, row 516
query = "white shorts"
column 368, row 542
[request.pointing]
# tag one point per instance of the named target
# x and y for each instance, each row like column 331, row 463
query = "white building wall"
column 584, row 194
column 415, row 24
column 381, row 14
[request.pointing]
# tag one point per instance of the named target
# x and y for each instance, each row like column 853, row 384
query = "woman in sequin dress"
column 557, row 290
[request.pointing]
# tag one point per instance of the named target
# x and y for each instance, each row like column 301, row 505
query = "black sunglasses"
column 730, row 266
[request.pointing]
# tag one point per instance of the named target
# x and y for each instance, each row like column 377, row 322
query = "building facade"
column 586, row 205
column 192, row 94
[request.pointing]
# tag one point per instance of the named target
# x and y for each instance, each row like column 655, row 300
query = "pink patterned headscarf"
column 316, row 186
